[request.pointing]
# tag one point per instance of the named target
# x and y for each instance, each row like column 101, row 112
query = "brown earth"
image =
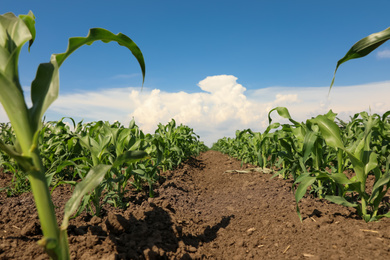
column 201, row 212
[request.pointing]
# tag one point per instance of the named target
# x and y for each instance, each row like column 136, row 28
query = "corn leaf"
column 341, row 178
column 378, row 186
column 283, row 112
column 358, row 167
column 130, row 157
column 330, row 131
column 44, row 91
column 372, row 162
column 375, row 218
column 29, row 20
column 331, row 115
column 14, row 33
column 45, row 87
column 341, row 201
column 308, row 144
column 306, row 181
column 363, row 48
column 24, row 161
column 93, row 178
column 99, row 34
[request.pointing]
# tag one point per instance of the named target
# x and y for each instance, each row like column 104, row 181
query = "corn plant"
column 174, row 143
column 58, row 146
column 364, row 161
column 319, row 151
column 245, row 146
column 27, row 121
column 288, row 143
column 105, row 143
column 364, row 158
column 19, row 183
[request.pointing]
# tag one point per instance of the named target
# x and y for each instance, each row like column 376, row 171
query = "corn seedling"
column 364, row 161
column 27, row 121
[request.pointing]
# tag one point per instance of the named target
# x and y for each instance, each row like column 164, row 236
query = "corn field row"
column 68, row 154
column 319, row 153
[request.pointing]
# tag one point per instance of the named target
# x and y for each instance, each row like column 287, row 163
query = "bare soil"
column 201, row 212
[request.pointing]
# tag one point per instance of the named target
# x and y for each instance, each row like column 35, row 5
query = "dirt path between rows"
column 202, row 212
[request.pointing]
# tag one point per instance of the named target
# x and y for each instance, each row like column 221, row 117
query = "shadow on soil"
column 154, row 234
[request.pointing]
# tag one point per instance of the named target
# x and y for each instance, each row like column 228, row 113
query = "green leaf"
column 330, row 131
column 17, row 30
column 363, row 48
column 90, row 182
column 372, row 162
column 299, row 133
column 331, row 115
column 29, row 20
column 308, row 144
column 64, row 245
column 45, row 87
column 378, row 186
column 270, row 127
column 44, row 91
column 341, row 201
column 93, row 146
column 14, row 33
column 99, row 34
column 130, row 157
column 283, row 112
column 387, row 215
column 340, row 178
column 305, row 182
column 24, row 161
column 176, row 149
column 358, row 167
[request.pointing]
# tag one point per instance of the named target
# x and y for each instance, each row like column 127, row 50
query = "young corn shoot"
column 27, row 122
column 365, row 159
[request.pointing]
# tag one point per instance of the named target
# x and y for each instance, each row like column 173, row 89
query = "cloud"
column 221, row 105
column 219, row 108
column 385, row 54
column 3, row 115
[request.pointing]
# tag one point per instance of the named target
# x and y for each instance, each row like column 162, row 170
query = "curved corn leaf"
column 99, row 34
column 44, row 91
column 283, row 112
column 130, row 157
column 93, row 178
column 24, row 161
column 372, row 162
column 341, row 178
column 29, row 20
column 375, row 218
column 14, row 33
column 341, row 201
column 305, row 181
column 358, row 167
column 363, row 48
column 378, row 186
column 330, row 131
column 331, row 115
column 45, row 87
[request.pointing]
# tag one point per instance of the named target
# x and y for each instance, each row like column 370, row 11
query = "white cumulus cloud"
column 219, row 108
column 385, row 54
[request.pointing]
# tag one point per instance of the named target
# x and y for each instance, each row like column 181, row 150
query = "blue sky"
column 199, row 53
